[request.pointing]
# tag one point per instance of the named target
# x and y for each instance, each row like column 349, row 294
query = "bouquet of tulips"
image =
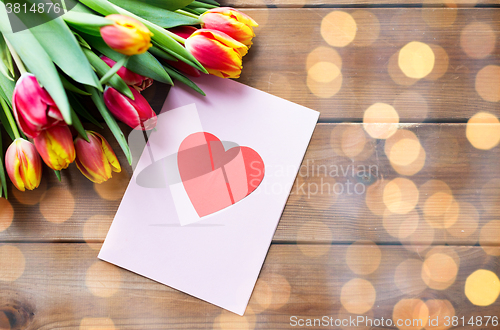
column 109, row 52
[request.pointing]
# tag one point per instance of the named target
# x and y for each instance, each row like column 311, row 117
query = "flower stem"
column 185, row 13
column 176, row 37
column 15, row 56
column 113, row 70
column 10, row 118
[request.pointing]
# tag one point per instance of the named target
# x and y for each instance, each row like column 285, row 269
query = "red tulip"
column 133, row 79
column 220, row 54
column 232, row 22
column 34, row 108
column 136, row 113
column 55, row 145
column 95, row 159
column 127, row 36
column 23, row 165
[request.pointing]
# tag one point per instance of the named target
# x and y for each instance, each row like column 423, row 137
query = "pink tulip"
column 55, row 145
column 133, row 79
column 23, row 165
column 34, row 108
column 136, row 113
column 232, row 22
column 95, row 159
column 127, row 35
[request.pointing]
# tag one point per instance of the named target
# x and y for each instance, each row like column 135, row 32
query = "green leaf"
column 7, row 89
column 58, row 175
column 37, row 61
column 81, row 41
column 144, row 64
column 77, row 124
column 101, row 68
column 158, row 4
column 88, row 23
column 63, row 48
column 3, row 118
column 80, row 109
column 198, row 4
column 101, row 6
column 70, row 87
column 176, row 74
column 212, row 2
column 111, row 122
column 157, row 52
column 6, row 66
column 159, row 16
column 2, row 171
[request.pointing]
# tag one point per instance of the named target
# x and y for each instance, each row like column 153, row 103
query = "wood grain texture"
column 358, row 3
column 276, row 62
column 338, row 195
column 59, row 288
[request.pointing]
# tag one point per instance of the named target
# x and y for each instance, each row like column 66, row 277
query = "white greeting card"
column 208, row 191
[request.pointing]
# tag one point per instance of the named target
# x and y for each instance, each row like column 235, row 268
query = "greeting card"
column 208, row 191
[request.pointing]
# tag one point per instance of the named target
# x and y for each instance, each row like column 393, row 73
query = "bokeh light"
column 490, row 196
column 400, row 196
column 338, row 28
column 375, row 197
column 396, row 74
column 230, row 321
column 466, row 223
column 114, row 188
column 262, row 296
column 482, row 287
column 280, row 290
column 411, row 104
column 380, row 120
column 12, row 263
column 95, row 230
column 358, row 296
column 440, row 309
column 353, row 141
column 416, row 59
column 441, row 210
column 442, row 17
column 441, row 64
column 103, row 279
column 407, row 277
column 403, row 148
column 483, row 130
column 439, row 271
column 488, row 83
column 6, row 214
column 97, row 323
column 414, row 310
column 57, row 204
column 368, row 28
column 489, row 238
column 363, row 257
column 401, row 226
column 324, row 79
column 31, row 197
column 323, row 54
column 314, row 231
column 477, row 40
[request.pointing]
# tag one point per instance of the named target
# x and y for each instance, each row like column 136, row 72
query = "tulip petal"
column 109, row 154
column 23, row 165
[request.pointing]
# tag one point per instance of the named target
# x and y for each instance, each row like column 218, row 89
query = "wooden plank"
column 356, row 4
column 338, row 195
column 277, row 62
column 53, row 286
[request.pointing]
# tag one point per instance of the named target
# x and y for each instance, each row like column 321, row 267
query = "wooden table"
column 421, row 231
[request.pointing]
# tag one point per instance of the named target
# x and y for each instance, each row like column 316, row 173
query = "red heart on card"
column 215, row 178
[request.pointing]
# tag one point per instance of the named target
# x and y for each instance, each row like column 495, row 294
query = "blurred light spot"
column 407, row 277
column 440, row 309
column 353, row 141
column 400, row 196
column 421, row 239
column 414, row 311
column 396, row 74
column 411, row 104
column 314, row 231
column 442, row 61
column 490, row 196
column 31, row 197
column 416, row 59
column 358, row 296
column 275, row 83
column 230, row 321
column 57, row 204
column 483, row 130
column 323, row 54
column 430, row 188
column 363, row 257
column 280, row 288
column 325, row 89
column 12, row 263
column 403, row 148
column 368, row 28
column 439, row 271
column 477, row 40
column 380, row 120
column 466, row 222
column 482, row 287
column 6, row 214
column 413, row 167
column 490, row 238
column 442, row 16
column 344, row 314
column 97, row 323
column 114, row 188
column 488, row 83
column 441, row 210
column 375, row 197
column 338, row 28
column 400, row 226
column 95, row 230
column 323, row 72
column 103, row 279
column 262, row 296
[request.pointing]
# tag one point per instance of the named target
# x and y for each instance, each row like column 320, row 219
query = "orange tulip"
column 232, row 22
column 95, row 159
column 127, row 35
column 55, row 145
column 220, row 54
column 23, row 165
